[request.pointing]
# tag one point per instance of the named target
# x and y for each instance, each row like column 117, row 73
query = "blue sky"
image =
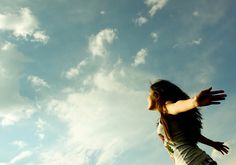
column 74, row 77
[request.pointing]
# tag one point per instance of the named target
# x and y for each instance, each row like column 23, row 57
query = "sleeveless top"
column 181, row 151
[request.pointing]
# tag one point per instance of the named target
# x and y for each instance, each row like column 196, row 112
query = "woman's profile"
column 180, row 122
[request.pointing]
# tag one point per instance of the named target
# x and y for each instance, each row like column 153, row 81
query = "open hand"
column 208, row 97
column 219, row 146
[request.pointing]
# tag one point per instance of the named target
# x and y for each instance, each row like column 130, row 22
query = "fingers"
column 216, row 92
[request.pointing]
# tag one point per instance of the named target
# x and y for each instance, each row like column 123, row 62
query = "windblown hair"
column 189, row 122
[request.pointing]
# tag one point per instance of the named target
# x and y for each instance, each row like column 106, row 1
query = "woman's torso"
column 181, row 151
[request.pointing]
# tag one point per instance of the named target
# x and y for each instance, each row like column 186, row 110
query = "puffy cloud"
column 197, row 42
column 74, row 71
column 98, row 43
column 155, row 5
column 102, row 12
column 23, row 24
column 96, row 121
column 141, row 20
column 15, row 114
column 40, row 124
column 154, row 36
column 13, row 106
column 37, row 82
column 140, row 57
column 19, row 143
column 7, row 45
column 40, row 36
column 195, row 13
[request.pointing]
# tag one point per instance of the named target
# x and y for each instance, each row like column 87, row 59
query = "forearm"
column 181, row 106
column 202, row 139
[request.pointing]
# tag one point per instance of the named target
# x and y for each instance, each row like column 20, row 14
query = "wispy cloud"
column 140, row 57
column 183, row 44
column 23, row 25
column 21, row 156
column 98, row 42
column 40, row 125
column 37, row 82
column 155, row 5
column 13, row 106
column 140, row 20
column 74, row 71
column 7, row 45
column 154, row 36
column 195, row 13
column 19, row 143
column 15, row 114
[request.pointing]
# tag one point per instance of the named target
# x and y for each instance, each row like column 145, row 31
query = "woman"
column 180, row 122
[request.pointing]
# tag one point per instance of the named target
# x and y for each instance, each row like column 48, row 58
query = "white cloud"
column 195, row 13
column 140, row 20
column 154, row 36
column 40, row 36
column 19, row 143
column 23, row 24
column 74, row 71
column 97, row 120
column 140, row 57
column 102, row 12
column 7, row 45
column 40, row 125
column 15, row 114
column 197, row 42
column 107, row 82
column 21, row 156
column 37, row 82
column 98, row 43
column 13, row 106
column 155, row 5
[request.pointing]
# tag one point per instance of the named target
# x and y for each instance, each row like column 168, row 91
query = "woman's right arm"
column 204, row 98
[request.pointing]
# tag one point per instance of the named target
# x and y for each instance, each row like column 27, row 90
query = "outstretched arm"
column 204, row 98
column 219, row 146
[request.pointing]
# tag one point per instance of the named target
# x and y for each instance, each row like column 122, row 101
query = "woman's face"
column 151, row 101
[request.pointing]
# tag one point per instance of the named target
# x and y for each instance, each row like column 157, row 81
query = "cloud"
column 195, row 13
column 155, row 5
column 21, row 156
column 15, row 114
column 20, row 144
column 154, row 36
column 140, row 20
column 37, row 82
column 197, row 42
column 74, row 71
column 96, row 121
column 98, row 43
column 23, row 25
column 40, row 125
column 140, row 57
column 188, row 43
column 102, row 12
column 40, row 36
column 7, row 45
column 13, row 106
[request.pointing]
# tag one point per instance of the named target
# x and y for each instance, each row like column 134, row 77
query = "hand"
column 208, row 97
column 219, row 146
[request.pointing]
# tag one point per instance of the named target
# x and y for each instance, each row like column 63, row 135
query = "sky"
column 75, row 75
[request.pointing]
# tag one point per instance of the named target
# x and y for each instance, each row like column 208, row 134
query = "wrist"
column 194, row 102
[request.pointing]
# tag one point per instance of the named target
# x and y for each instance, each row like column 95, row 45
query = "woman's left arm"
column 219, row 146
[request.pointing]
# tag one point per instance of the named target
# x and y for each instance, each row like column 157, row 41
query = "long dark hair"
column 189, row 122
